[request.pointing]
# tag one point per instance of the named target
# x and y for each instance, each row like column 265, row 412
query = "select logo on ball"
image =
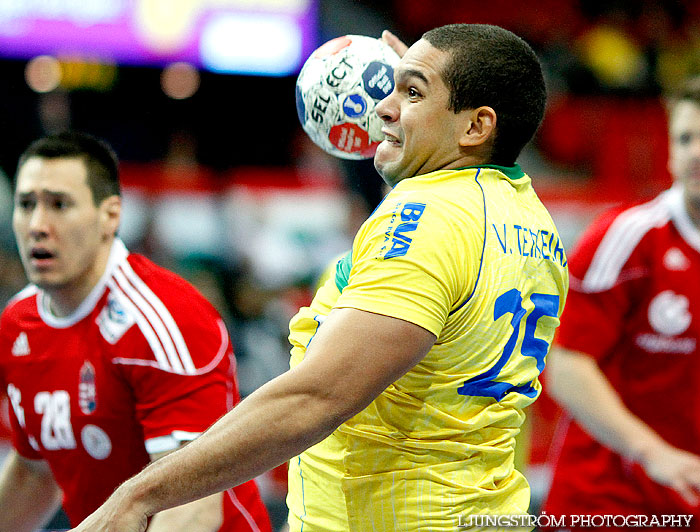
column 351, row 138
column 354, row 105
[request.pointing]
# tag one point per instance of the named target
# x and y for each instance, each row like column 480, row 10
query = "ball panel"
column 301, row 108
column 354, row 105
column 332, row 47
column 378, row 79
column 337, row 90
column 352, row 141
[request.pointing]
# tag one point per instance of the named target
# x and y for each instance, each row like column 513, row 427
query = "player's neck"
column 693, row 210
column 64, row 300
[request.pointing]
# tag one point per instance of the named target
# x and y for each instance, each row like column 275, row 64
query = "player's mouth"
column 41, row 257
column 391, row 139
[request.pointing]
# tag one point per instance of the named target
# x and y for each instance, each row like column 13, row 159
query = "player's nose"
column 39, row 222
column 388, row 108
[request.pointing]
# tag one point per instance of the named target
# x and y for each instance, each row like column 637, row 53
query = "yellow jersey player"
column 414, row 362
column 444, row 431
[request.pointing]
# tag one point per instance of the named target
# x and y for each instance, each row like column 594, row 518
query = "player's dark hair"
column 100, row 160
column 490, row 66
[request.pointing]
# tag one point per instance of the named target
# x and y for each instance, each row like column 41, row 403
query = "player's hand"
column 676, row 469
column 394, row 42
column 115, row 515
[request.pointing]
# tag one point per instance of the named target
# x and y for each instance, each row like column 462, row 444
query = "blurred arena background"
column 222, row 185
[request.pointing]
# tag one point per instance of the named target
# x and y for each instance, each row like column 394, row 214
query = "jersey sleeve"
column 409, row 260
column 178, row 362
column 19, row 438
column 594, row 317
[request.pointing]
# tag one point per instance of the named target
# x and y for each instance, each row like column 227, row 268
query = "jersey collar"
column 673, row 198
column 511, row 172
column 117, row 254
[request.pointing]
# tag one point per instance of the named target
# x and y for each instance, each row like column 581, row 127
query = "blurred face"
column 421, row 133
column 684, row 153
column 63, row 237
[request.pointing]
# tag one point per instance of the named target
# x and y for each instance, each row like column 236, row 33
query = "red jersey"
column 144, row 364
column 634, row 305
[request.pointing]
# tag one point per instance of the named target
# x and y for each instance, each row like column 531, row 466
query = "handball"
column 337, row 90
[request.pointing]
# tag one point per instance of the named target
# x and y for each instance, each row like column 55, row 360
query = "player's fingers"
column 686, row 492
column 394, row 42
column 692, row 476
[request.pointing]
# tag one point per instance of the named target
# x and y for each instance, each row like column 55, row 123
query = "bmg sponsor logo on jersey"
column 398, row 237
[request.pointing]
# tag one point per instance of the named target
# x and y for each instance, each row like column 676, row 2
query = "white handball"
column 337, row 90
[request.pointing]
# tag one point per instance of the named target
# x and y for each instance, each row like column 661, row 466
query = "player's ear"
column 479, row 127
column 110, row 214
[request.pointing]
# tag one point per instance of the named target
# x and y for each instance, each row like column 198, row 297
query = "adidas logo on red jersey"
column 21, row 346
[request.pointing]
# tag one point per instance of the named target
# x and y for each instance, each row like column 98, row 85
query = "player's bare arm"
column 578, row 384
column 29, row 496
column 352, row 359
column 203, row 515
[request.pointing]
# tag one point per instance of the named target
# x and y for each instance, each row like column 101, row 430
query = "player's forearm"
column 29, row 495
column 275, row 423
column 204, row 515
column 578, row 384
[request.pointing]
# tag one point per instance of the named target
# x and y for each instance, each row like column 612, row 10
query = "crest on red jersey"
column 87, row 391
column 114, row 320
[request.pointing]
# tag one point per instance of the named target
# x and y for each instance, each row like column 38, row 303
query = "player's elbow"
column 338, row 405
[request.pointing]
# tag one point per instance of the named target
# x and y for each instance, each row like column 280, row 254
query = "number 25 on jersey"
column 511, row 302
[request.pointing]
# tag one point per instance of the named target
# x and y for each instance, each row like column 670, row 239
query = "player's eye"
column 684, row 139
column 60, row 203
column 413, row 93
column 25, row 203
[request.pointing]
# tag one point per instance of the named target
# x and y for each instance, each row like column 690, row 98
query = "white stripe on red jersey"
column 185, row 359
column 620, row 241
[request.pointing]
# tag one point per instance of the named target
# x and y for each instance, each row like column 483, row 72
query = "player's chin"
column 387, row 170
column 387, row 152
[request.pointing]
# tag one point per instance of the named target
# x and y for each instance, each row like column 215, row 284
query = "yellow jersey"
column 472, row 256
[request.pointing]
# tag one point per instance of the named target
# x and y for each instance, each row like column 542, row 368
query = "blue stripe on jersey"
column 483, row 248
column 303, row 502
column 318, row 324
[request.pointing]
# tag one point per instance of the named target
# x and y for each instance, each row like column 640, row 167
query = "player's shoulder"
column 19, row 314
column 171, row 289
column 21, row 304
column 147, row 289
column 151, row 307
column 622, row 242
column 627, row 224
column 442, row 185
column 441, row 196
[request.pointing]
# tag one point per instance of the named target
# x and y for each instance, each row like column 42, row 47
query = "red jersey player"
column 628, row 365
column 109, row 361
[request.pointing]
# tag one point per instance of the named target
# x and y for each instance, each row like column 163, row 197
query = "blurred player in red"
column 109, row 361
column 628, row 365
